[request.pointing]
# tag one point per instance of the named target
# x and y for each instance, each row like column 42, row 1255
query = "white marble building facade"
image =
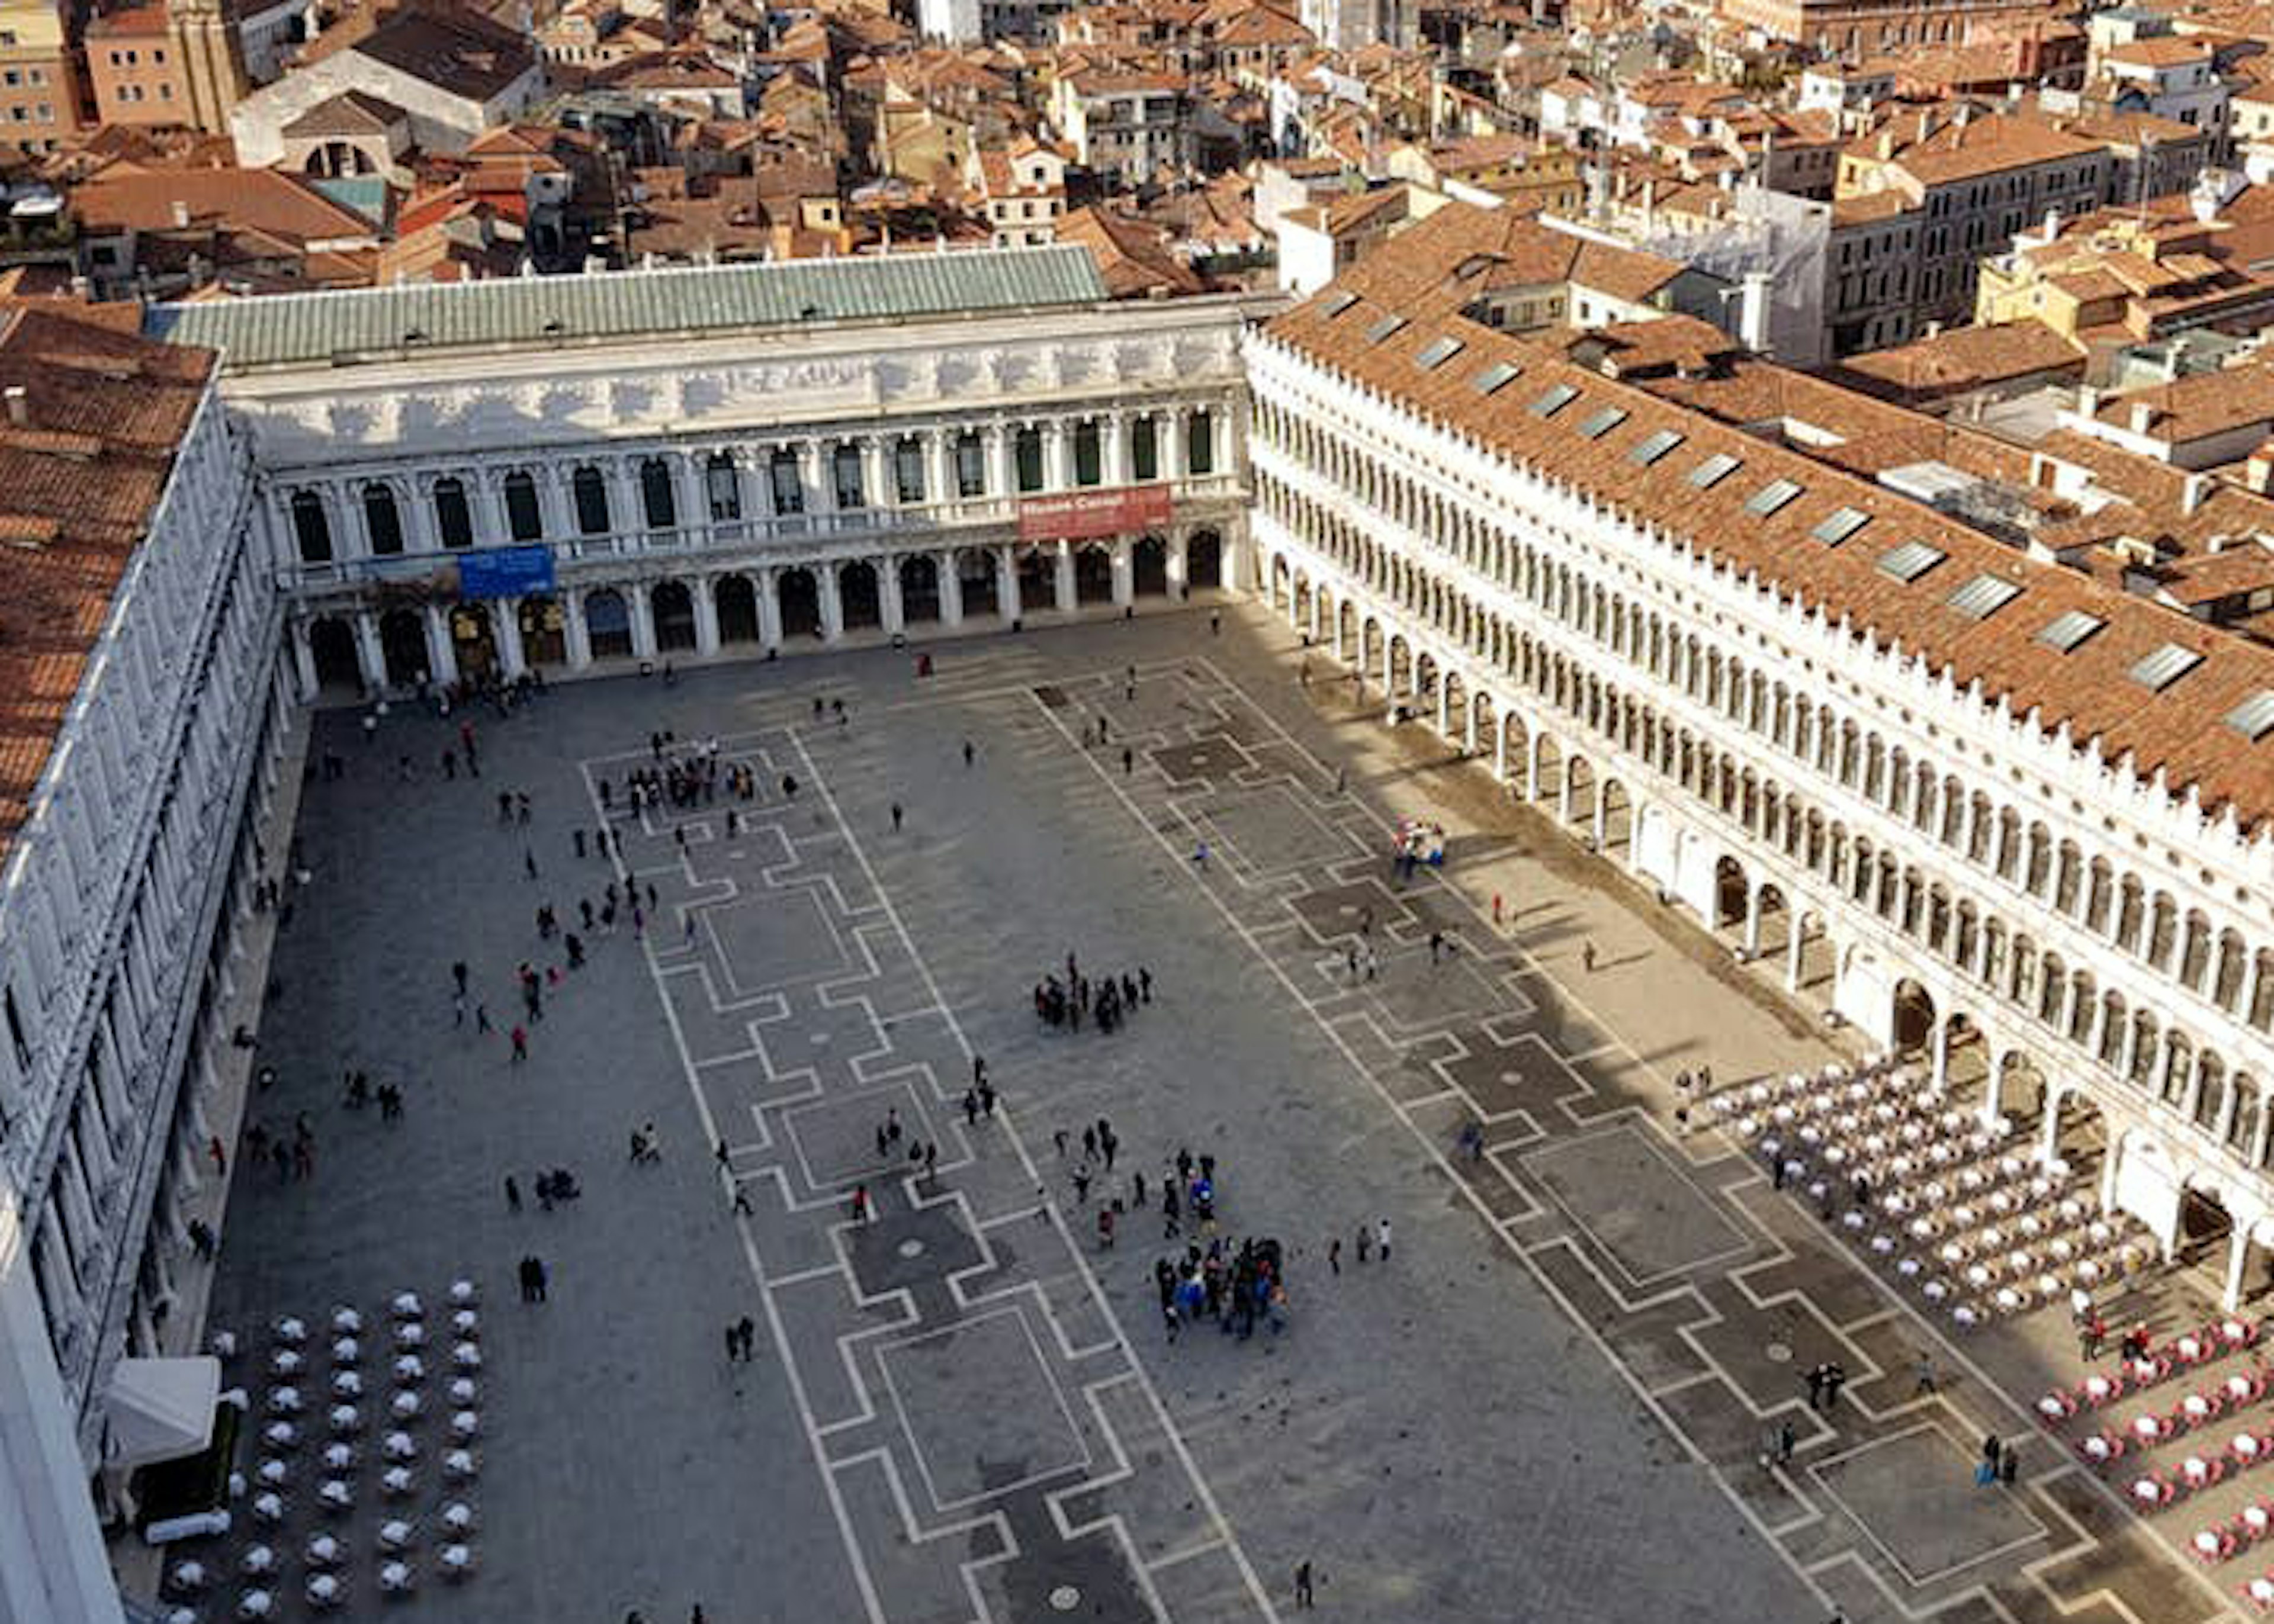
column 717, row 498
column 119, row 900
column 2093, row 943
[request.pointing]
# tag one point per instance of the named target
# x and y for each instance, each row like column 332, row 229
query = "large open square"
column 1554, row 1400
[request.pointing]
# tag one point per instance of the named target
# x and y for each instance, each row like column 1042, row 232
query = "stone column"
column 1169, row 443
column 485, row 497
column 1179, row 565
column 304, row 661
column 1057, row 455
column 1113, row 454
column 705, row 590
column 1006, row 584
column 688, row 498
column 420, row 532
column 1001, row 476
column 939, row 467
column 769, row 624
column 441, row 658
column 2191, row 1096
column 369, row 653
column 832, row 605
column 879, row 488
column 626, row 515
column 1796, row 942
column 555, row 505
column 813, row 479
column 893, row 610
column 951, row 589
column 1124, row 572
column 513, row 659
column 1062, row 578
column 574, row 632
column 642, row 608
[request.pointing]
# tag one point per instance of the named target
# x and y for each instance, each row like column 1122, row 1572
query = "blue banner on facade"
column 506, row 572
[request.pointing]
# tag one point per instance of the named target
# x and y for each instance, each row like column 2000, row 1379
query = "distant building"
column 454, row 73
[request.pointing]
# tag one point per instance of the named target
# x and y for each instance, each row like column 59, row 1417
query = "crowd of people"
column 1106, row 1003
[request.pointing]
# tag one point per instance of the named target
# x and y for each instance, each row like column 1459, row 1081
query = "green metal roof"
column 282, row 329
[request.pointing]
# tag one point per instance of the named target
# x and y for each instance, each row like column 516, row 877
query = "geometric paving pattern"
column 1709, row 1293
column 806, row 1021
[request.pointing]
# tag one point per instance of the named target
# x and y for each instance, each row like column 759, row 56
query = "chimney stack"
column 2143, row 417
column 181, row 215
column 20, row 404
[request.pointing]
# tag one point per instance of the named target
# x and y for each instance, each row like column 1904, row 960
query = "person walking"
column 520, row 1043
column 512, row 1194
column 1303, row 1597
column 1587, row 956
column 1335, row 1254
column 1381, row 1239
column 897, row 815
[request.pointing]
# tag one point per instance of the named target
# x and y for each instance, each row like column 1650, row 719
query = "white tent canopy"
column 161, row 1408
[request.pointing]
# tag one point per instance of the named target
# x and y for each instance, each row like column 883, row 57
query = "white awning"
column 161, row 1408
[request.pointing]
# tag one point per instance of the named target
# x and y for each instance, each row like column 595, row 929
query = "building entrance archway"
column 672, row 606
column 332, row 650
column 860, row 599
column 800, row 596
column 402, row 647
column 1148, row 567
column 608, row 624
column 738, row 609
column 974, row 579
column 544, row 631
column 1204, row 562
column 919, row 590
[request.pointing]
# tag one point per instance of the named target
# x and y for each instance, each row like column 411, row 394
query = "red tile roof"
column 104, row 412
column 2179, row 730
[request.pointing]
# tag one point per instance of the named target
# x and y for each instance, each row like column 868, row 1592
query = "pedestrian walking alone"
column 1303, row 1597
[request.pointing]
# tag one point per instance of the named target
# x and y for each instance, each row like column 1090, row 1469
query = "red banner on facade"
column 1078, row 515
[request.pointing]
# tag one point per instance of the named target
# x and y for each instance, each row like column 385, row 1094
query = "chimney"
column 1887, row 145
column 1965, row 115
column 2258, row 473
column 2193, row 492
column 20, row 404
column 181, row 215
column 2087, row 401
column 2142, row 416
column 1925, row 123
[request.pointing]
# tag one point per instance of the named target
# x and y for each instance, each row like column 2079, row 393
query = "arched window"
column 657, row 499
column 453, row 520
column 311, row 528
column 524, row 520
column 381, row 523
column 725, row 488
column 590, row 492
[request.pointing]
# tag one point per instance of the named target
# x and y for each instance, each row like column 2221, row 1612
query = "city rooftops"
column 323, row 328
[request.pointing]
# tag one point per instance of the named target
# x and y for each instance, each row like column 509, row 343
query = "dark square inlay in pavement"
column 1914, row 1495
column 967, row 1450
column 775, row 939
column 1330, row 913
column 1211, row 756
column 1635, row 1201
